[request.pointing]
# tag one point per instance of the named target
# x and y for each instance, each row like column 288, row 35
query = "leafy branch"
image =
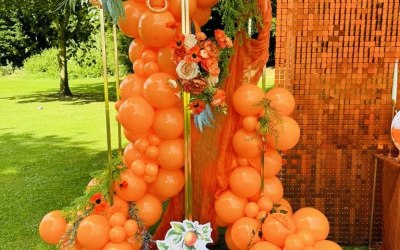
column 269, row 120
column 113, row 8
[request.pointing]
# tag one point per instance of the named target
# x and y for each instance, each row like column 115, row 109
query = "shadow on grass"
column 82, row 94
column 38, row 175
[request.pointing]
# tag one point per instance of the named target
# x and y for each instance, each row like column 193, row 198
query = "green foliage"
column 43, row 65
column 6, row 70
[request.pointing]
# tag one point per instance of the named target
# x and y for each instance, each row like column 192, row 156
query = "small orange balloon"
column 229, row 241
column 153, row 28
column 175, row 8
column 326, row 245
column 132, row 85
column 149, row 209
column 138, row 67
column 206, row 3
column 166, row 62
column 273, row 189
column 251, row 209
column 151, row 152
column 277, row 227
column 93, row 232
column 245, row 232
column 264, row 245
column 168, row 182
column 283, row 202
column 136, row 49
column 130, row 187
column 117, row 219
column 154, row 140
column 246, row 144
column 168, row 123
column 131, row 227
column 241, row 161
column 118, row 246
column 306, row 236
column 294, row 242
column 245, row 181
column 246, row 98
column 265, row 204
column 149, row 56
column 150, row 179
column 117, row 234
column 230, row 207
column 141, row 144
column 52, row 227
column 136, row 115
column 120, row 206
column 202, row 16
column 158, row 92
column 171, row 154
column 282, row 100
column 138, row 167
column 249, row 123
column 288, row 134
column 261, row 215
column 129, row 25
column 151, row 169
column 150, row 68
column 313, row 220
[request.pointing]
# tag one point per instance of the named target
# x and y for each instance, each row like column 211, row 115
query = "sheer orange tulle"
column 212, row 152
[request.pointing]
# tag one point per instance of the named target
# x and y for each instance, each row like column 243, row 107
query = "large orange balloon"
column 118, row 246
column 230, row 207
column 149, row 209
column 294, row 242
column 313, row 220
column 168, row 183
column 93, row 232
column 130, row 187
column 153, row 28
column 120, row 206
column 282, row 100
column 246, row 98
column 245, row 232
column 165, row 61
column 264, row 245
column 171, row 154
column 130, row 25
column 288, row 134
column 273, row 189
column 131, row 155
column 52, row 227
column 326, row 245
column 246, row 144
column 132, row 137
column 277, row 227
column 229, row 241
column 136, row 49
column 206, row 3
column 245, row 181
column 202, row 15
column 158, row 92
column 168, row 123
column 175, row 8
column 132, row 85
column 136, row 114
column 272, row 162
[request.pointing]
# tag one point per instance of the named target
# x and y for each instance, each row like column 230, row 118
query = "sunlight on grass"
column 8, row 171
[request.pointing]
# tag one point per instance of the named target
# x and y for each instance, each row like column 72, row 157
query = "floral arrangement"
column 198, row 67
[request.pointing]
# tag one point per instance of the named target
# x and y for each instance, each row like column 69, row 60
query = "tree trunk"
column 62, row 54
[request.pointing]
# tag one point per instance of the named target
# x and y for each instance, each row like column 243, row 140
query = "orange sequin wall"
column 337, row 58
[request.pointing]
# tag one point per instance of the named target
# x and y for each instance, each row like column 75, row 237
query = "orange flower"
column 100, row 205
column 210, row 47
column 99, row 208
column 179, row 40
column 219, row 98
column 96, row 198
column 194, row 86
column 123, row 184
column 193, row 55
column 211, row 65
column 197, row 106
column 172, row 25
column 222, row 40
column 178, row 54
column 200, row 36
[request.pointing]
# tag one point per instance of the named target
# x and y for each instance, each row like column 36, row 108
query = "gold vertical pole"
column 373, row 203
column 107, row 104
column 186, row 116
column 117, row 90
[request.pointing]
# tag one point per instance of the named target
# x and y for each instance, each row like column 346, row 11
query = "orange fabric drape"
column 212, row 152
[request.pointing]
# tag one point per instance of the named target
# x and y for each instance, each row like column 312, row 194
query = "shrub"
column 7, row 69
column 43, row 65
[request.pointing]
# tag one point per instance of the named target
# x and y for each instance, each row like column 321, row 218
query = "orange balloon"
column 151, row 169
column 206, row 3
column 141, row 144
column 132, row 85
column 117, row 219
column 261, row 215
column 272, row 162
column 118, row 104
column 249, row 123
column 220, row 222
column 118, row 246
column 229, row 241
column 282, row 100
column 138, row 67
column 288, row 134
column 117, row 234
column 245, row 232
column 149, row 209
column 168, row 182
column 132, row 137
column 165, row 61
column 151, row 152
column 230, row 207
column 131, row 227
column 245, row 181
column 171, row 154
column 130, row 187
column 309, row 248
column 273, row 189
column 175, row 8
column 136, row 114
column 246, row 144
column 313, row 220
column 154, row 140
column 246, row 98
column 277, row 227
column 284, row 203
column 294, row 242
column 150, row 179
column 52, row 227
column 130, row 155
column 306, row 236
column 264, row 245
column 93, row 232
column 326, row 245
column 149, row 56
column 153, row 28
column 251, row 209
column 202, row 16
column 136, row 49
column 168, row 123
column 120, row 206
column 150, row 68
column 130, row 24
column 158, row 92
column 265, row 204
